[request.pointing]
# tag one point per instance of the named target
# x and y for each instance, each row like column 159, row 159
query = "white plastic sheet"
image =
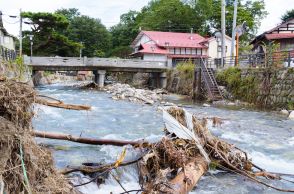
column 173, row 126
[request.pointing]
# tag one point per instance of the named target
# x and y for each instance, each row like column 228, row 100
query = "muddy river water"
column 266, row 136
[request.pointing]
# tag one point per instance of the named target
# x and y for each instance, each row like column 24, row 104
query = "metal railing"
column 260, row 60
column 6, row 54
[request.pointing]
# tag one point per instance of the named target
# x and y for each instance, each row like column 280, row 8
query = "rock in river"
column 291, row 116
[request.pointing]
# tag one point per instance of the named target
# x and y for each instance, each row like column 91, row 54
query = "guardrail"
column 261, row 60
column 105, row 62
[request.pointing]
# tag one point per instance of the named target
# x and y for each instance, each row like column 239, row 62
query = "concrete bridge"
column 99, row 66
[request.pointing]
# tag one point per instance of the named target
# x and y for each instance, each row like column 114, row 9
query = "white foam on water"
column 115, row 188
column 291, row 141
column 52, row 112
column 233, row 136
column 272, row 164
column 154, row 138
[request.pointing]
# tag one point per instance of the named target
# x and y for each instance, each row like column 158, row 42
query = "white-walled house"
column 171, row 47
column 7, row 40
column 214, row 47
column 7, row 43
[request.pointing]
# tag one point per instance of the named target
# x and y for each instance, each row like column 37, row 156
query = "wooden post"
column 289, row 58
column 237, row 49
column 194, row 83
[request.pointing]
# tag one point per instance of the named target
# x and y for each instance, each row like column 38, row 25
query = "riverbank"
column 267, row 137
column 140, row 93
column 25, row 167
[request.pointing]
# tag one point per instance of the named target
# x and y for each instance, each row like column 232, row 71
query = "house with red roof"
column 172, row 47
column 282, row 34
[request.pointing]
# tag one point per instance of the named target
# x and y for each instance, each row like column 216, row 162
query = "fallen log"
column 89, row 168
column 186, row 180
column 60, row 104
column 83, row 140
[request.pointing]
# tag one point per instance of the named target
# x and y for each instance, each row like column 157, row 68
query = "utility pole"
column 223, row 27
column 169, row 25
column 31, row 41
column 234, row 28
column 20, row 34
column 81, row 49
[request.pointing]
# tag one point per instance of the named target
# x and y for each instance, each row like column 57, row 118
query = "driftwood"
column 186, row 180
column 60, row 104
column 89, row 168
column 90, row 141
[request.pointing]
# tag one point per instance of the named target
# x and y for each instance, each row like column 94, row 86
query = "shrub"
column 241, row 88
column 186, row 69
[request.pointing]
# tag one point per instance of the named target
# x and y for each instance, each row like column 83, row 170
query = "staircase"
column 211, row 85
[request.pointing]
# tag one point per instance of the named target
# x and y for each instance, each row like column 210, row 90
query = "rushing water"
column 267, row 137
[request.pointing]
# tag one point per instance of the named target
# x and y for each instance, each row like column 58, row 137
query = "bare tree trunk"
column 60, row 104
column 187, row 179
column 83, row 140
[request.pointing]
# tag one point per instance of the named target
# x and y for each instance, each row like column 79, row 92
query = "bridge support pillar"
column 34, row 72
column 100, row 77
column 163, row 80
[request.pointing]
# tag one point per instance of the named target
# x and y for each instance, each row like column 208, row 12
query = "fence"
column 260, row 60
column 6, row 54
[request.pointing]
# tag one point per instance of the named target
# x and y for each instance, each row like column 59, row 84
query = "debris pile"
column 125, row 91
column 25, row 167
column 175, row 164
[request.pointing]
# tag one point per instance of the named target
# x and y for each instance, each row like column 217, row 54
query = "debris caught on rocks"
column 125, row 91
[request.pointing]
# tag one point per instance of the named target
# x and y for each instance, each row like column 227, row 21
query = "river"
column 266, row 136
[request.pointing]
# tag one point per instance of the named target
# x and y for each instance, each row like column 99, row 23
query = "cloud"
column 109, row 11
column 275, row 8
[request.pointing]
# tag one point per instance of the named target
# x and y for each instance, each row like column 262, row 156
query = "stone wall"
column 276, row 88
column 138, row 80
column 180, row 79
column 267, row 88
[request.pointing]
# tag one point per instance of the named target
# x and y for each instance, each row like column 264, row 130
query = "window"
column 188, row 51
column 183, row 51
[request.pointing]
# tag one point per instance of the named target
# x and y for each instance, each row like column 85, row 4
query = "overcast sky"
column 109, row 11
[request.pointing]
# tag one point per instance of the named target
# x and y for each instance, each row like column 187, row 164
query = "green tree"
column 123, row 34
column 90, row 32
column 288, row 15
column 169, row 15
column 47, row 40
column 204, row 16
column 250, row 11
column 70, row 13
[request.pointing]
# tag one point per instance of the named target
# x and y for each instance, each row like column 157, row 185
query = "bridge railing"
column 103, row 62
column 54, row 61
